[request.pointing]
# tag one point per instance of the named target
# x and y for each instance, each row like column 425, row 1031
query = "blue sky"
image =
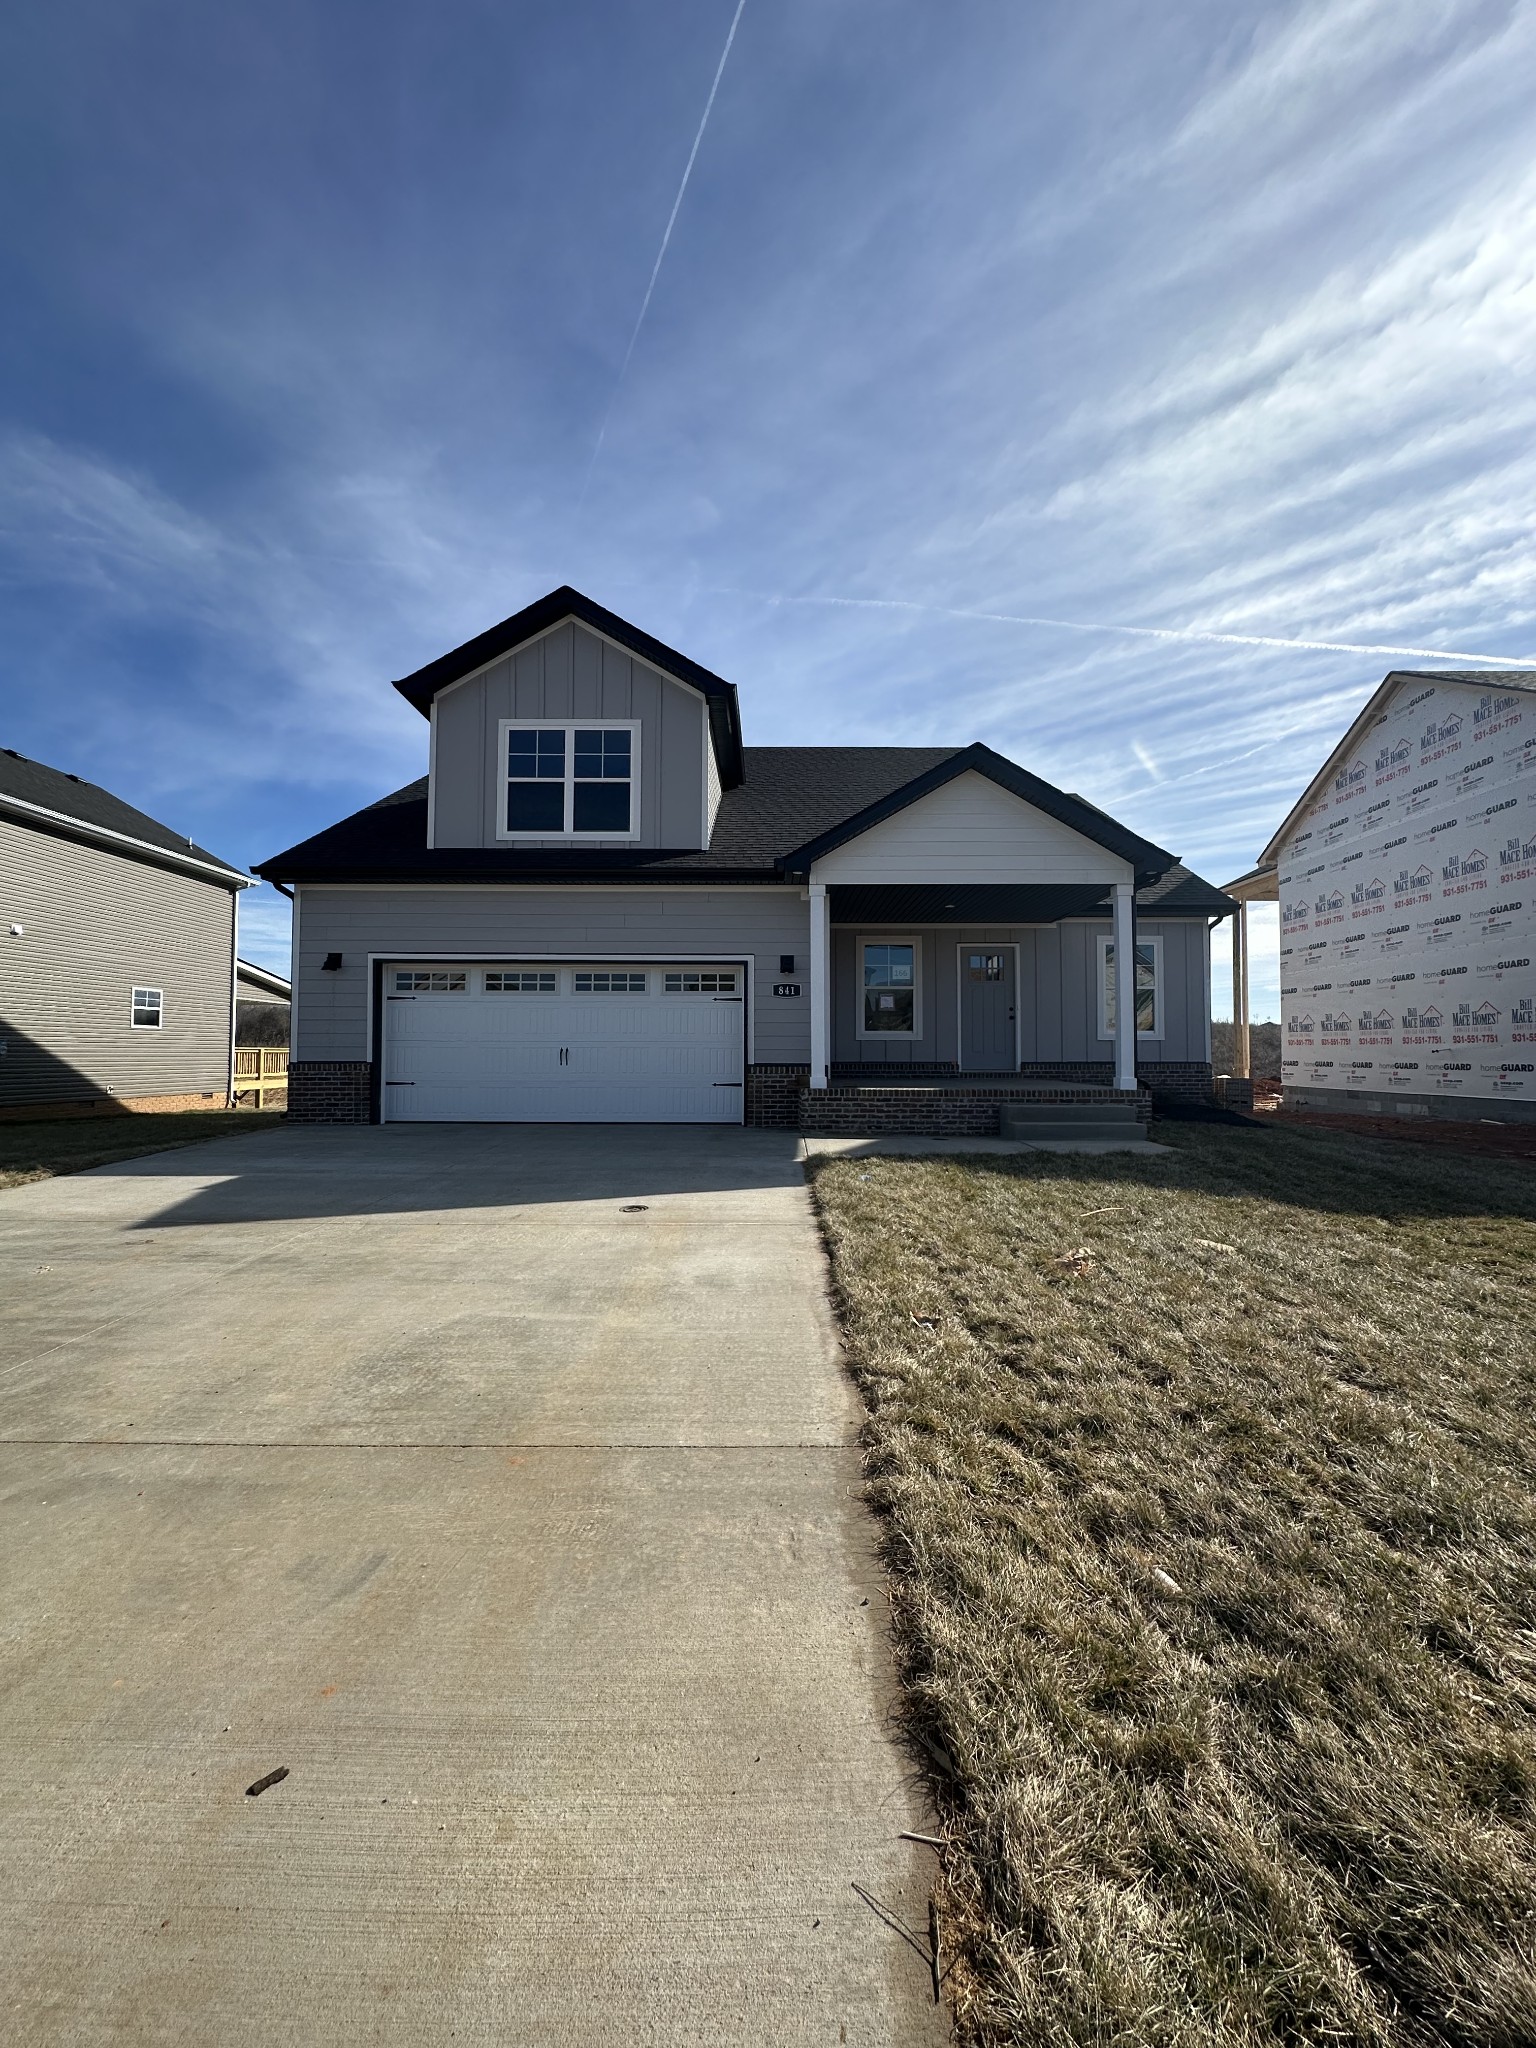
column 1209, row 320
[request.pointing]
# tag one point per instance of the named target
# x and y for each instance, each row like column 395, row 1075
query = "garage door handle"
column 399, row 999
column 727, row 1084
column 727, row 999
column 399, row 1084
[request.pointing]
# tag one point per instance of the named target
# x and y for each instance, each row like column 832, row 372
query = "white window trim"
column 144, row 988
column 1152, row 939
column 888, row 1037
column 569, row 726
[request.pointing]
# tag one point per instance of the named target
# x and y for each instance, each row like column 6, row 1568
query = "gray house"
column 599, row 904
column 117, row 952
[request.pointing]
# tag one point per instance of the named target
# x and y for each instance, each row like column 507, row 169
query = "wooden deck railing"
column 260, row 1070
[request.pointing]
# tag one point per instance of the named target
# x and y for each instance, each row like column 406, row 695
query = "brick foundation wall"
column 330, row 1092
column 111, row 1105
column 773, row 1096
column 971, row 1112
column 1178, row 1080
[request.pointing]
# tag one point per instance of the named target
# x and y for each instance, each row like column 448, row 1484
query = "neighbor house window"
column 148, row 1009
column 1149, row 988
column 888, row 988
column 569, row 781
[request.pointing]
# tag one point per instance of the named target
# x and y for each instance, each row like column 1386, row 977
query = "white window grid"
column 1144, row 944
column 148, row 1009
column 522, row 983
column 861, row 1031
column 569, row 727
column 433, row 981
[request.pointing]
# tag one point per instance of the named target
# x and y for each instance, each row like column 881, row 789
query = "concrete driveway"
column 521, row 1530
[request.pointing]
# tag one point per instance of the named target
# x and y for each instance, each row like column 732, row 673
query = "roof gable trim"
column 139, row 849
column 460, row 664
column 1373, row 708
column 1078, row 816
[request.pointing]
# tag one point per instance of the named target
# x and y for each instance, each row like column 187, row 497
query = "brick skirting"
column 112, row 1105
column 970, row 1111
column 330, row 1092
column 773, row 1096
column 1178, row 1080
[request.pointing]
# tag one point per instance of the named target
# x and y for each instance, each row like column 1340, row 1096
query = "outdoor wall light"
column 331, row 963
column 786, row 963
column 18, row 931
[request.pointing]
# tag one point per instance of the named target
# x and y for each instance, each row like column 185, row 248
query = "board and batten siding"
column 572, row 673
column 970, row 830
column 95, row 927
column 1058, row 993
column 513, row 923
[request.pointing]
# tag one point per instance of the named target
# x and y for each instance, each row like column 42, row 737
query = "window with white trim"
column 1149, row 988
column 521, row 983
column 435, row 981
column 689, row 981
column 148, row 1009
column 569, row 780
column 888, row 1004
column 609, row 984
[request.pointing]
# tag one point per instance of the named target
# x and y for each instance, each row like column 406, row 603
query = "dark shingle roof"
column 84, row 803
column 792, row 796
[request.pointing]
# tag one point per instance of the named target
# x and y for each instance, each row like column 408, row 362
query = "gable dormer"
column 565, row 726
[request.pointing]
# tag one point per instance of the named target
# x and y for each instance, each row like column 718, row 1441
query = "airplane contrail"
column 899, row 604
column 645, row 303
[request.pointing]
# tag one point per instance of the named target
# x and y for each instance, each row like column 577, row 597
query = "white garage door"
column 545, row 1042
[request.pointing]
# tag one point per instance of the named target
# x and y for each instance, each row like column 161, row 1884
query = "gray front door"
column 988, row 995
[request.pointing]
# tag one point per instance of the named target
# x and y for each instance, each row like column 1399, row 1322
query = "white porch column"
column 1240, row 1042
column 1125, row 989
column 821, row 983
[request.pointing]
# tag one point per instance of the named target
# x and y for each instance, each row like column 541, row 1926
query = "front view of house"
column 600, row 906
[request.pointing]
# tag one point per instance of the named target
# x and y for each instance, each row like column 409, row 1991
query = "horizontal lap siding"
column 599, row 923
column 95, row 927
column 570, row 673
column 970, row 830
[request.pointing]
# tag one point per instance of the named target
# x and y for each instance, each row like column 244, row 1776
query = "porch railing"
column 260, row 1070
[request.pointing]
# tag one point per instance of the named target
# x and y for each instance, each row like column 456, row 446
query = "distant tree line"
column 261, row 1024
column 1263, row 1049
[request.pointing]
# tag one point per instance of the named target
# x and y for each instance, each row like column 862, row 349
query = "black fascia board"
column 460, row 864
column 565, row 603
column 1148, row 861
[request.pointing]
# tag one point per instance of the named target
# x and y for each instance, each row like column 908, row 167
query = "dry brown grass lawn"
column 36, row 1151
column 1214, row 1579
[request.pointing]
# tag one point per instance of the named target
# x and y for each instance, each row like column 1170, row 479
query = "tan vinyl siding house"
column 117, row 953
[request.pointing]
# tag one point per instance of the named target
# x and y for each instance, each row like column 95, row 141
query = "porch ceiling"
column 964, row 902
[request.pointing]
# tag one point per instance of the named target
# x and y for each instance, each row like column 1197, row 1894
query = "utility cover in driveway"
column 551, row 1042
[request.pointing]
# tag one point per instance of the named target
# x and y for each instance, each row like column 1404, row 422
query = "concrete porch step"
column 1038, row 1132
column 1074, row 1113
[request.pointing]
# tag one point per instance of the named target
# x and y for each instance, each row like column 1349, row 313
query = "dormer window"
column 569, row 780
